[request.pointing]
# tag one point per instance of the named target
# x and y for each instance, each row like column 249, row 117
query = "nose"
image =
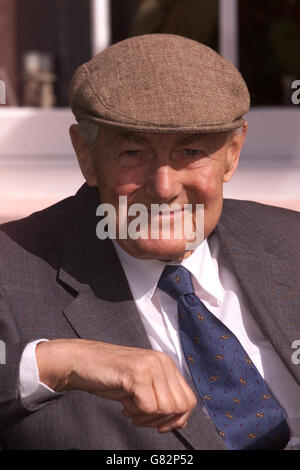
column 164, row 183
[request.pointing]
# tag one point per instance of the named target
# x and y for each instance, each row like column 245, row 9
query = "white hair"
column 235, row 132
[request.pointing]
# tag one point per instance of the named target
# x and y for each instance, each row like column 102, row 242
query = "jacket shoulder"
column 40, row 233
column 258, row 209
column 274, row 229
column 43, row 233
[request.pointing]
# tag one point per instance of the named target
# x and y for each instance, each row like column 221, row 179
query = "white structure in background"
column 100, row 12
column 37, row 162
column 228, row 30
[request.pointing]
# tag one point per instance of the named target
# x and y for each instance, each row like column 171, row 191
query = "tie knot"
column 176, row 281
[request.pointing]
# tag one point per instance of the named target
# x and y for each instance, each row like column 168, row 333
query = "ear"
column 234, row 148
column 84, row 156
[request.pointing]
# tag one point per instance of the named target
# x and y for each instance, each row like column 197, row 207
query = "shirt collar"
column 143, row 275
column 205, row 273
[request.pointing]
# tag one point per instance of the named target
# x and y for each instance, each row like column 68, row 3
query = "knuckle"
column 148, row 408
column 150, row 361
column 143, row 369
column 163, row 357
column 169, row 361
column 181, row 408
column 165, row 410
column 184, row 403
column 144, row 404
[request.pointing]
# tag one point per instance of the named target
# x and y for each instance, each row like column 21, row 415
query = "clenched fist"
column 146, row 382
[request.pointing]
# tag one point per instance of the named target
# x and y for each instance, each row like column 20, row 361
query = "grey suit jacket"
column 57, row 280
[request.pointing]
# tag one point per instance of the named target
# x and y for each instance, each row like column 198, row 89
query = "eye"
column 133, row 153
column 191, row 152
column 132, row 158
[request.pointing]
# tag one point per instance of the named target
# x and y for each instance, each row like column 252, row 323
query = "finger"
column 163, row 424
column 143, row 402
column 175, row 422
column 175, row 416
column 129, row 408
column 191, row 399
column 178, row 402
column 152, row 398
column 153, row 421
column 172, row 426
column 185, row 401
column 165, row 398
column 167, row 390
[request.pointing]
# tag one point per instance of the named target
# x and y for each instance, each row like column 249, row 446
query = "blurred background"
column 42, row 42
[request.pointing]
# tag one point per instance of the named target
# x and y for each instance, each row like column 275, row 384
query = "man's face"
column 162, row 168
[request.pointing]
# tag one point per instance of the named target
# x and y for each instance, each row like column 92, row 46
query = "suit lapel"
column 271, row 290
column 103, row 308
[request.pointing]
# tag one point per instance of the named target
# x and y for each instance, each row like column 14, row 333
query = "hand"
column 146, row 382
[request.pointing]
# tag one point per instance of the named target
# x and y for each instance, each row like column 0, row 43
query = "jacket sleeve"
column 11, row 408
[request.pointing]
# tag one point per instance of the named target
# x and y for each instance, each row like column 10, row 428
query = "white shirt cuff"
column 34, row 394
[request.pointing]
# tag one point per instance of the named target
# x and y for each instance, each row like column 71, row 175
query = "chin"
column 167, row 250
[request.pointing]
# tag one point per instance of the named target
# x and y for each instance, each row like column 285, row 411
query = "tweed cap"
column 160, row 83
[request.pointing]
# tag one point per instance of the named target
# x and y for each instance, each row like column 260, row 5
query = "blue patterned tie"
column 237, row 398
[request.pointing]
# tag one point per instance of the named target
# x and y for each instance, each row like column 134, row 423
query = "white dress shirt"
column 221, row 294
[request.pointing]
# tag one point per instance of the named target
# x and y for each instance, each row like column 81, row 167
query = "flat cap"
column 160, row 83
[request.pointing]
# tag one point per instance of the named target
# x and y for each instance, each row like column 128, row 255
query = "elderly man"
column 144, row 342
